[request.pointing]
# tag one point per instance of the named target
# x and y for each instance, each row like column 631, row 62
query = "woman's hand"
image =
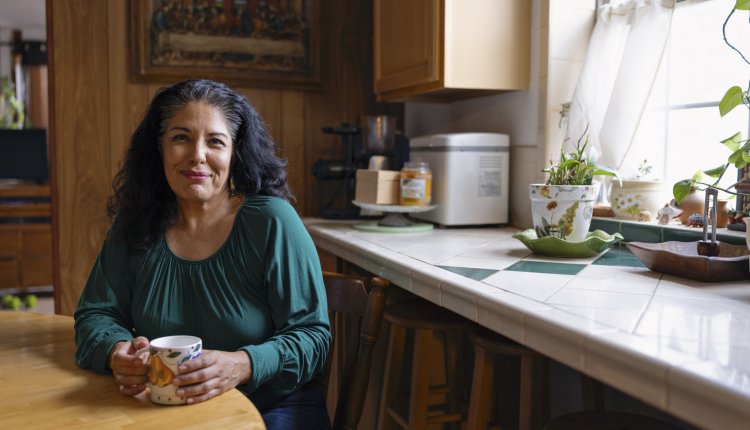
column 211, row 374
column 128, row 367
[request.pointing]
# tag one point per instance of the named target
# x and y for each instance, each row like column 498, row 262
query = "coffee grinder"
column 336, row 178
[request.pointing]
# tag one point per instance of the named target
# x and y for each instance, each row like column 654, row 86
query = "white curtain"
column 624, row 54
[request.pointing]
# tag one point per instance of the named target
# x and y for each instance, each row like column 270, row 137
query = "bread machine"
column 469, row 177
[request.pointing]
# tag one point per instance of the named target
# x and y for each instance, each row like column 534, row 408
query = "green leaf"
column 716, row 172
column 604, row 171
column 567, row 164
column 735, row 157
column 745, row 156
column 741, row 164
column 681, row 189
column 733, row 142
column 742, row 5
column 732, row 98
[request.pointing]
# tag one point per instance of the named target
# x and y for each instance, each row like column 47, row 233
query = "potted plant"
column 638, row 198
column 739, row 146
column 564, row 205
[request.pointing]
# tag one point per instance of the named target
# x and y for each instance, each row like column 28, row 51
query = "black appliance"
column 23, row 155
column 336, row 178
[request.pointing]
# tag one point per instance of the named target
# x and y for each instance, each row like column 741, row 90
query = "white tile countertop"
column 680, row 345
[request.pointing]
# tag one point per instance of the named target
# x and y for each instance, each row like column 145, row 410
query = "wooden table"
column 42, row 388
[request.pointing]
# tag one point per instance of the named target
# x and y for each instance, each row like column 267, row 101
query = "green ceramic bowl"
column 596, row 241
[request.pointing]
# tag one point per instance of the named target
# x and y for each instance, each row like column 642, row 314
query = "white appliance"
column 469, row 177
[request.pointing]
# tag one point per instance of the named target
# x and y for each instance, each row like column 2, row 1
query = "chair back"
column 355, row 307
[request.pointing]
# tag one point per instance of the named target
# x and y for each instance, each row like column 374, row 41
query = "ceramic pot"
column 638, row 200
column 722, row 215
column 692, row 203
column 563, row 211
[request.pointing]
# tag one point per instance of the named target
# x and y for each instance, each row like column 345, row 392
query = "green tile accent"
column 641, row 233
column 546, row 267
column 618, row 257
column 470, row 272
column 654, row 233
column 609, row 225
column 683, row 235
column 734, row 240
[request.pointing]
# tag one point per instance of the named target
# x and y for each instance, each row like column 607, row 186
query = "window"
column 681, row 128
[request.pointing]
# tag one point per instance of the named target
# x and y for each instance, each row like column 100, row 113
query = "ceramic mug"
column 165, row 355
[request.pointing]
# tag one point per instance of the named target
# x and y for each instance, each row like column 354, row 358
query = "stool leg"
column 481, row 388
column 454, row 368
column 420, row 380
column 527, row 393
column 533, row 411
column 394, row 362
column 593, row 394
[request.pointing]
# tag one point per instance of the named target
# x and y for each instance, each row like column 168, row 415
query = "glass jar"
column 416, row 184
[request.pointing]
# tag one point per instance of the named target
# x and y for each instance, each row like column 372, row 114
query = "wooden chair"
column 355, row 308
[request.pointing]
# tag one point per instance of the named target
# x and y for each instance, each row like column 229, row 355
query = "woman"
column 205, row 243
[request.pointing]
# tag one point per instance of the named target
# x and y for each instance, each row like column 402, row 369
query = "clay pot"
column 722, row 216
column 692, row 203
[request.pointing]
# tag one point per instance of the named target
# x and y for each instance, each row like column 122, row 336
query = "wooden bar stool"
column 533, row 397
column 608, row 420
column 596, row 418
column 428, row 403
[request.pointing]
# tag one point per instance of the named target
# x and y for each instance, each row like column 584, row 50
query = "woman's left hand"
column 211, row 374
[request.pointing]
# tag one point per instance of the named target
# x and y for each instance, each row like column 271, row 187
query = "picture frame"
column 252, row 43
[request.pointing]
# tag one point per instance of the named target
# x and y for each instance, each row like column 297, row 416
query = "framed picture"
column 254, row 43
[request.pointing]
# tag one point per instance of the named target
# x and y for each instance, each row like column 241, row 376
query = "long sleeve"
column 101, row 318
column 261, row 292
column 297, row 350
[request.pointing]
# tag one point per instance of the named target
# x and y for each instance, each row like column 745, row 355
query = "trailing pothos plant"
column 739, row 145
column 577, row 167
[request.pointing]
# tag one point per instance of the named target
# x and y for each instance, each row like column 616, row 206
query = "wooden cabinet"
column 25, row 237
column 442, row 50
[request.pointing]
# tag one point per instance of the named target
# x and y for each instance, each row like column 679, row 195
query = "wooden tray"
column 682, row 259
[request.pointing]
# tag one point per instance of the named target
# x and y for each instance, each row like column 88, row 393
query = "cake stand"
column 394, row 221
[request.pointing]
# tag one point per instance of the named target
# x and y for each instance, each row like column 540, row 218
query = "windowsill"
column 653, row 232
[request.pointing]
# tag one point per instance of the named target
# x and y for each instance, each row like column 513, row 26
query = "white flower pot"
column 563, row 211
column 638, row 200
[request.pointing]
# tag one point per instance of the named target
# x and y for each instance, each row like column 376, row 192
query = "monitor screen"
column 23, row 154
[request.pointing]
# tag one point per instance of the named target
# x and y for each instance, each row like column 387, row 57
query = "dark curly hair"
column 144, row 206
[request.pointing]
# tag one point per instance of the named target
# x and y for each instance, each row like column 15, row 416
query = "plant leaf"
column 568, row 163
column 681, row 189
column 735, row 157
column 733, row 142
column 716, row 172
column 604, row 171
column 732, row 98
column 742, row 5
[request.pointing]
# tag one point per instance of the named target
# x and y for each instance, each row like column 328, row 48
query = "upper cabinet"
column 443, row 50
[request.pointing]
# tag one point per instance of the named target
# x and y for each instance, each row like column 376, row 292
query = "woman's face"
column 197, row 152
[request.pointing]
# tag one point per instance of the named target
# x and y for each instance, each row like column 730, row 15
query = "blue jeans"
column 303, row 410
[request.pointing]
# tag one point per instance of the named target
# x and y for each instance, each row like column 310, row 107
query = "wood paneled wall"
column 95, row 107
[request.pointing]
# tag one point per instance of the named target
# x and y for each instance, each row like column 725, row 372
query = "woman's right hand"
column 129, row 368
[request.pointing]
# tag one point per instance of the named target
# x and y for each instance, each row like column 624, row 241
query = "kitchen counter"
column 680, row 345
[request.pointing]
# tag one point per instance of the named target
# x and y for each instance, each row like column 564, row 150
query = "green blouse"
column 261, row 292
